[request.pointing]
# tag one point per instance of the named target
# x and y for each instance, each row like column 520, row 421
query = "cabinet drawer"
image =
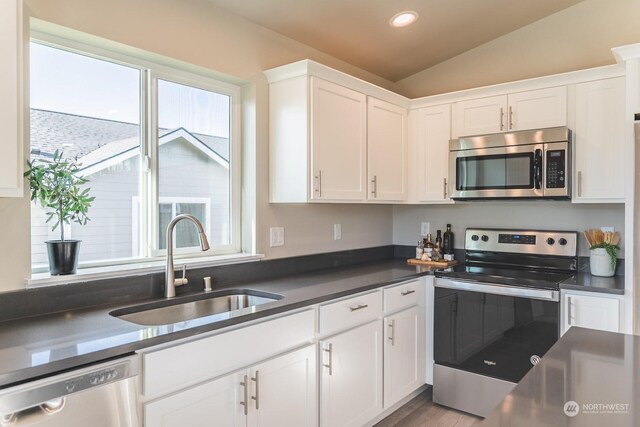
column 178, row 367
column 404, row 295
column 349, row 312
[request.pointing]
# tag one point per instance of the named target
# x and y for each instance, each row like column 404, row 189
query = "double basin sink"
column 166, row 312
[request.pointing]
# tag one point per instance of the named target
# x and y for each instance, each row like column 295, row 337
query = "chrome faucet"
column 171, row 281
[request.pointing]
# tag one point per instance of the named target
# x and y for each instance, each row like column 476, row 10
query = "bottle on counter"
column 419, row 249
column 428, row 246
column 437, row 247
column 447, row 244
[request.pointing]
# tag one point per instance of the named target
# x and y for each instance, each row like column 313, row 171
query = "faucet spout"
column 170, row 274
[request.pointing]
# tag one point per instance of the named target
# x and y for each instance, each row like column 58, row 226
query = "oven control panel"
column 540, row 242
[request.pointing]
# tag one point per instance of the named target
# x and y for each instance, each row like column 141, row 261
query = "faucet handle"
column 184, row 280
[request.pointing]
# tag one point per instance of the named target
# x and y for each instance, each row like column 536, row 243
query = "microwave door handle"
column 537, row 169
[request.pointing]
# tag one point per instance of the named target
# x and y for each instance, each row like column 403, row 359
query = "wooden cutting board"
column 443, row 263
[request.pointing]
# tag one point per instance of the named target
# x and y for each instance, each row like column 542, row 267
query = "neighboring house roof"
column 96, row 140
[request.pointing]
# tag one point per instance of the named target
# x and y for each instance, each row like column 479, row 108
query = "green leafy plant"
column 612, row 251
column 55, row 184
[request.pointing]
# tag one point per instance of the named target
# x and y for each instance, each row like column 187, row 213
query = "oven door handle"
column 537, row 169
column 490, row 288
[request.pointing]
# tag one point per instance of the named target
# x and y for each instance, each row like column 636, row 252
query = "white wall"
column 541, row 215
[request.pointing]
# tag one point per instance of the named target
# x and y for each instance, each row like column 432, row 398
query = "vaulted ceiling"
column 358, row 31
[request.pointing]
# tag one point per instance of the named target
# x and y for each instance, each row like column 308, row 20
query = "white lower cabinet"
column 278, row 392
column 403, row 354
column 593, row 312
column 351, row 378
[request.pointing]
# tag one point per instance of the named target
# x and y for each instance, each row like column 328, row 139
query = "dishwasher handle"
column 48, row 394
column 34, row 414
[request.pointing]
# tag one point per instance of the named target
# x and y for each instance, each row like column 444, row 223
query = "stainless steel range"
column 498, row 314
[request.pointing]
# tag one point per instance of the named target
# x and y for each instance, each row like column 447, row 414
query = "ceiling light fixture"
column 403, row 19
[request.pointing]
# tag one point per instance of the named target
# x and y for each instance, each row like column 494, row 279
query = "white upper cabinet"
column 599, row 141
column 334, row 138
column 480, row 116
column 339, row 142
column 533, row 109
column 387, row 151
column 11, row 120
column 433, row 134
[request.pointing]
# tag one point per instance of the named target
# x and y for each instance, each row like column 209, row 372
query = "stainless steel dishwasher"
column 99, row 395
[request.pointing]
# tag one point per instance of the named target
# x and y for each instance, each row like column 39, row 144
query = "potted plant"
column 603, row 251
column 56, row 185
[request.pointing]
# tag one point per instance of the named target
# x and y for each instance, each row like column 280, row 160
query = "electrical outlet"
column 337, row 231
column 608, row 228
column 277, row 236
column 425, row 228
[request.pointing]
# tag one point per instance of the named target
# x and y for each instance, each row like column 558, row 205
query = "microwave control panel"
column 556, row 174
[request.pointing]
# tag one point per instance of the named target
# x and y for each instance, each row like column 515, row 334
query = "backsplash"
column 538, row 215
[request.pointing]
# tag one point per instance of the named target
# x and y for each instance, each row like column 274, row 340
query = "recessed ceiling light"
column 403, row 19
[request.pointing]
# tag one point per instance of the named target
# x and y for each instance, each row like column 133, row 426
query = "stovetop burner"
column 519, row 258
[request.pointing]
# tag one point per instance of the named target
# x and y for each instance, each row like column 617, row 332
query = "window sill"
column 127, row 270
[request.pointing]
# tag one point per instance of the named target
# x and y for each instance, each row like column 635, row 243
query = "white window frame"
column 149, row 149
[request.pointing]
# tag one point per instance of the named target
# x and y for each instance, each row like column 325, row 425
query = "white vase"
column 600, row 263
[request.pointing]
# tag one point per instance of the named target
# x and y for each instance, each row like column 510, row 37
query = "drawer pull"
column 359, row 307
column 256, row 379
column 405, row 293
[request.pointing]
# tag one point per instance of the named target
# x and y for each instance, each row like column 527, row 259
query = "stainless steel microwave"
column 526, row 164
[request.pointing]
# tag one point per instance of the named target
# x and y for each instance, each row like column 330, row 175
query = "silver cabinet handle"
column 256, row 379
column 569, row 311
column 318, row 178
column 246, row 395
column 359, row 307
column 579, row 183
column 405, row 293
column 511, row 117
column 501, row 118
column 445, row 188
column 330, row 364
column 374, row 187
column 392, row 334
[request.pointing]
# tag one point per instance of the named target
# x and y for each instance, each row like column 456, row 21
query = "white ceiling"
column 358, row 31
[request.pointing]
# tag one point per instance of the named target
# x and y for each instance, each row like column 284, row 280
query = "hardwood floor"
column 422, row 412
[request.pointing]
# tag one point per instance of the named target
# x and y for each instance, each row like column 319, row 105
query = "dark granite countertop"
column 36, row 346
column 588, row 378
column 584, row 281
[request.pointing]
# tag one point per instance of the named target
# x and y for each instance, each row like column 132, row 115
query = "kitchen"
column 245, row 50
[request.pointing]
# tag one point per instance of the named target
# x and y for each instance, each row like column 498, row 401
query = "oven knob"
column 550, row 241
column 485, row 238
column 562, row 241
column 475, row 237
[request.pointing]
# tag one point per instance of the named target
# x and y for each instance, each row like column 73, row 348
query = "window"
column 154, row 142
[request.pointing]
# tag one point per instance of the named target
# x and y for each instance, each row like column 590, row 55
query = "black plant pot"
column 63, row 256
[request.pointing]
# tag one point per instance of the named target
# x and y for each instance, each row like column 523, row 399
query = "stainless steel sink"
column 233, row 302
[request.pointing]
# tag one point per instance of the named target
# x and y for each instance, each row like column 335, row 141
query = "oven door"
column 499, row 172
column 492, row 330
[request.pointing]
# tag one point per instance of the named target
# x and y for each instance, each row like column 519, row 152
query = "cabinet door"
column 591, row 312
column 217, row 402
column 283, row 391
column 537, row 109
column 11, row 162
column 434, row 132
column 339, row 142
column 599, row 141
column 386, row 151
column 480, row 116
column 403, row 354
column 351, row 379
